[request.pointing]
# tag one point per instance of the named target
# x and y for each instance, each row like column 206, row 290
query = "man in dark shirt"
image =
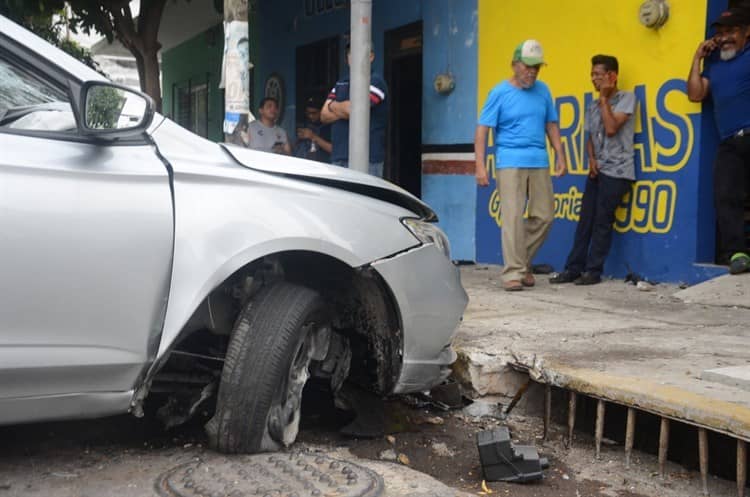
column 336, row 111
column 726, row 78
column 313, row 137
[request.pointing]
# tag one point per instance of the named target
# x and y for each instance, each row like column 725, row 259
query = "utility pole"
column 359, row 89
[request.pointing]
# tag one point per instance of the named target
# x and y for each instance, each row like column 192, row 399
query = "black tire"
column 272, row 334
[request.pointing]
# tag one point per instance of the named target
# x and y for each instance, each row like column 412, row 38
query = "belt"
column 741, row 132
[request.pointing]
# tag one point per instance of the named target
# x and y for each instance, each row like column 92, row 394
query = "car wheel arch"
column 364, row 307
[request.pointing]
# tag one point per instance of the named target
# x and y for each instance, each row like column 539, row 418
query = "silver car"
column 139, row 261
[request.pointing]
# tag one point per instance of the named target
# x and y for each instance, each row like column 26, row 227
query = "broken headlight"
column 428, row 233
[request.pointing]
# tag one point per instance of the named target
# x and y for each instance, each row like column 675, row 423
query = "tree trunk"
column 150, row 81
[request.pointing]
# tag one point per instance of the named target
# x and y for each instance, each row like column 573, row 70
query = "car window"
column 27, row 102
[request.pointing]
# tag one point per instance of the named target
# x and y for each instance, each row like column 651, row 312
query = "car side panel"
column 86, row 237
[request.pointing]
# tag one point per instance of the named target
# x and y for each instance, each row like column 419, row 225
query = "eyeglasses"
column 535, row 67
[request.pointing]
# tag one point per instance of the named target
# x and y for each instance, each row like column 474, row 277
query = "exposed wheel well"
column 364, row 312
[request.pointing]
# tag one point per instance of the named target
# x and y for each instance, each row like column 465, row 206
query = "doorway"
column 403, row 74
column 317, row 67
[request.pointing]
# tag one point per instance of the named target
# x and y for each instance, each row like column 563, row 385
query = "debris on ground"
column 441, row 449
column 483, row 409
column 503, row 461
column 388, row 455
column 644, row 286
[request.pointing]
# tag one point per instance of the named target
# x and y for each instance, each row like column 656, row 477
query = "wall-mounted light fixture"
column 444, row 83
column 653, row 13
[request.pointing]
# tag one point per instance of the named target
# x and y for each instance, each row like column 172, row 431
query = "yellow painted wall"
column 572, row 31
column 662, row 222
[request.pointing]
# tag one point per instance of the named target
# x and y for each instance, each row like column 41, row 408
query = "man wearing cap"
column 726, row 78
column 611, row 128
column 520, row 111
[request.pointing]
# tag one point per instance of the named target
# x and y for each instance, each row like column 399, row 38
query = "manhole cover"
column 270, row 475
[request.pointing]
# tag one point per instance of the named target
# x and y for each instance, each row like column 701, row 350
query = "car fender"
column 227, row 216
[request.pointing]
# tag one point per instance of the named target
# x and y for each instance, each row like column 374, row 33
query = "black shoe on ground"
column 588, row 279
column 740, row 263
column 564, row 277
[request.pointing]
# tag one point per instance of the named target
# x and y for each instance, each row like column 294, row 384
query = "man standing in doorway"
column 520, row 110
column 611, row 127
column 726, row 78
column 264, row 134
column 336, row 112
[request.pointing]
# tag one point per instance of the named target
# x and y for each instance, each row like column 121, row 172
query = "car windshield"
column 28, row 103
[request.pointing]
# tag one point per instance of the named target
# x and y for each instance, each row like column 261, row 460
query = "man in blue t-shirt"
column 336, row 112
column 726, row 78
column 520, row 111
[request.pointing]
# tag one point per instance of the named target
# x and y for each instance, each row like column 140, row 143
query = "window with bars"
column 190, row 105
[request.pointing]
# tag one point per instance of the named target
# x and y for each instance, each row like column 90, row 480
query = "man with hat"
column 726, row 78
column 520, row 111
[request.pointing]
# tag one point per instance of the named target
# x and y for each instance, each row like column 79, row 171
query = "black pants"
column 594, row 231
column 731, row 185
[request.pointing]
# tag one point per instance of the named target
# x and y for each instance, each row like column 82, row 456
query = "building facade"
column 440, row 58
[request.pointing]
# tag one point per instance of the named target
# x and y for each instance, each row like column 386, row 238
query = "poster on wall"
column 235, row 77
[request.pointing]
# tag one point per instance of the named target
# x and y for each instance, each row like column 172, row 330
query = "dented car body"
column 147, row 264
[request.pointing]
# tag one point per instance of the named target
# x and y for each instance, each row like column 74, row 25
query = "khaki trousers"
column 521, row 238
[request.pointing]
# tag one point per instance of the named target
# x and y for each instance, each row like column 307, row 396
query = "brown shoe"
column 528, row 280
column 512, row 286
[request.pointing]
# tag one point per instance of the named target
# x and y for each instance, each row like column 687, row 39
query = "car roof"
column 44, row 49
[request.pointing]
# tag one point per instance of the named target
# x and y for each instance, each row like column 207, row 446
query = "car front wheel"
column 274, row 340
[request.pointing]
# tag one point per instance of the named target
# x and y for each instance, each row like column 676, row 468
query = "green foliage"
column 103, row 107
column 47, row 19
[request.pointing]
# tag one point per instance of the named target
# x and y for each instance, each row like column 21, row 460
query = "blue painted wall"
column 449, row 43
column 285, row 26
column 453, row 197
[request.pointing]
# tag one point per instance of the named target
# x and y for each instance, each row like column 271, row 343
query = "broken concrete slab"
column 602, row 338
column 737, row 376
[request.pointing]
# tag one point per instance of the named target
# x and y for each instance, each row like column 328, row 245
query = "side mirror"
column 113, row 111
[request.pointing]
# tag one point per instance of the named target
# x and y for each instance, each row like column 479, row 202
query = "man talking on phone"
column 610, row 126
column 726, row 78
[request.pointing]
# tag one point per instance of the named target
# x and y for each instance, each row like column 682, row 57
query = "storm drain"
column 270, row 475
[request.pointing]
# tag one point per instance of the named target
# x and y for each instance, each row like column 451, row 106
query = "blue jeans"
column 374, row 168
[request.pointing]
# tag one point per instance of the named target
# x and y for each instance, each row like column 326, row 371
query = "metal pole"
column 663, row 447
column 599, row 430
column 703, row 458
column 629, row 435
column 571, row 417
column 547, row 410
column 359, row 85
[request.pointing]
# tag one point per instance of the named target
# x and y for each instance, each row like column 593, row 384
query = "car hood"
column 333, row 176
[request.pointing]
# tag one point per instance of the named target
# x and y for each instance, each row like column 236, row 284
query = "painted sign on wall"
column 655, row 223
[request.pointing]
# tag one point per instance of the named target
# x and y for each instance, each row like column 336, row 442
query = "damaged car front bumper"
column 431, row 301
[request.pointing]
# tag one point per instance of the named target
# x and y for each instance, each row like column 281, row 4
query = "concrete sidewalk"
column 647, row 349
